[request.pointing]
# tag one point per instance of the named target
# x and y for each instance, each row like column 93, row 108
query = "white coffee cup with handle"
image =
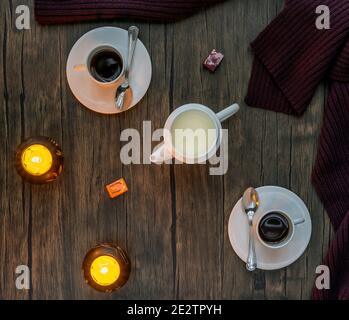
column 110, row 58
column 292, row 224
column 192, row 134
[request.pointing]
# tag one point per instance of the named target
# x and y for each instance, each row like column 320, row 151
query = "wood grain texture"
column 173, row 221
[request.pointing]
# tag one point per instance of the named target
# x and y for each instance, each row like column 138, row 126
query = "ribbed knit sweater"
column 291, row 58
column 66, row 11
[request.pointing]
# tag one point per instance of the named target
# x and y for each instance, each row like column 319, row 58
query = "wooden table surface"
column 173, row 220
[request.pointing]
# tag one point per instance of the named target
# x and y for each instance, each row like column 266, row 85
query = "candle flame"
column 104, row 270
column 36, row 160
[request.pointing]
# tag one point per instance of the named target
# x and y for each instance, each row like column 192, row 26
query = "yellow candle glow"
column 106, row 267
column 105, row 270
column 37, row 160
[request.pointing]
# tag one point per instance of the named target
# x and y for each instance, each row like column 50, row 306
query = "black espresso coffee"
column 274, row 227
column 106, row 65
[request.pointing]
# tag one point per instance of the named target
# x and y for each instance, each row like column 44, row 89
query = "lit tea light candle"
column 105, row 270
column 39, row 160
column 106, row 267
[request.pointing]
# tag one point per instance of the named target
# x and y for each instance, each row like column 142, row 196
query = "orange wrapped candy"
column 117, row 188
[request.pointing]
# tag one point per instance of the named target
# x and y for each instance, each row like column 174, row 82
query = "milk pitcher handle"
column 228, row 112
column 160, row 155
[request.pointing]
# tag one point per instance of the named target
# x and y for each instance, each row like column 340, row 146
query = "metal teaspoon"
column 250, row 203
column 125, row 86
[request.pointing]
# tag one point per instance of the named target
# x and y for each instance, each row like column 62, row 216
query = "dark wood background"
column 173, row 221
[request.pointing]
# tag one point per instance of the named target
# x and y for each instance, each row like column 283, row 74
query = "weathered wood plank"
column 149, row 201
column 198, row 196
column 15, row 199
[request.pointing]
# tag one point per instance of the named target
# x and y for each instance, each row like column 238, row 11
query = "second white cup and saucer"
column 272, row 255
column 99, row 94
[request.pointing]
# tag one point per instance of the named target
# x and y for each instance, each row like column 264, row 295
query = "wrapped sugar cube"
column 213, row 60
column 117, row 188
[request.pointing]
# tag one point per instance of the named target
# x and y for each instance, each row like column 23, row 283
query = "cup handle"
column 298, row 221
column 80, row 67
column 228, row 112
column 160, row 155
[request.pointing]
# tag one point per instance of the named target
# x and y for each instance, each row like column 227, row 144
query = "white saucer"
column 271, row 198
column 88, row 92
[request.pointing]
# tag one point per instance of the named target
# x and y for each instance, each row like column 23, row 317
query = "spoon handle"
column 251, row 263
column 133, row 32
column 120, row 100
column 132, row 42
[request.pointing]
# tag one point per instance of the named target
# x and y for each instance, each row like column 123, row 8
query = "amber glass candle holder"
column 39, row 160
column 106, row 267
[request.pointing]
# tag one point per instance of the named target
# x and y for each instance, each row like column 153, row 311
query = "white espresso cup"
column 292, row 225
column 206, row 127
column 87, row 65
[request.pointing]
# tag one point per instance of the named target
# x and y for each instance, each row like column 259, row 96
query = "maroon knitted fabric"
column 65, row 11
column 292, row 57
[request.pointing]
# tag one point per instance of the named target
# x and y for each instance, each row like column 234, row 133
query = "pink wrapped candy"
column 213, row 60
